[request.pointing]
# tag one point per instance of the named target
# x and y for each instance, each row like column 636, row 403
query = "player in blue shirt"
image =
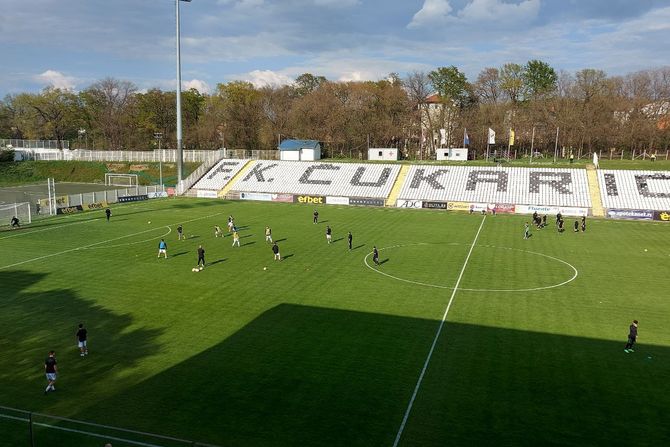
column 162, row 248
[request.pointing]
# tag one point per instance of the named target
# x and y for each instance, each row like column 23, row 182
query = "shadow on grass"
column 358, row 246
column 179, row 254
column 248, row 243
column 383, row 261
column 281, row 240
column 299, row 375
column 35, row 320
column 218, row 261
column 338, row 239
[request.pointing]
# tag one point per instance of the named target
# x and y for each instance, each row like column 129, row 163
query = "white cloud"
column 336, row 3
column 432, row 12
column 496, row 10
column 439, row 12
column 197, row 84
column 263, row 78
column 56, row 79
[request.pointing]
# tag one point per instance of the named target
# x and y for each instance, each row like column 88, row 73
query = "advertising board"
column 613, row 213
column 365, row 201
column 402, row 203
column 70, row 209
column 161, row 194
column 206, row 194
column 264, row 197
column 337, row 200
column 309, row 200
column 434, row 205
column 133, row 198
column 287, row 198
column 663, row 216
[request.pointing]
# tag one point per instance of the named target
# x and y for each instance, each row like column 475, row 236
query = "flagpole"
column 556, row 145
column 509, row 143
column 532, row 145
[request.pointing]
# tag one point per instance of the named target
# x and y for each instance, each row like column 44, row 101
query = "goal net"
column 121, row 180
column 19, row 210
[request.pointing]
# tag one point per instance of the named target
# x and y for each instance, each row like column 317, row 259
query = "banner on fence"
column 97, row 205
column 337, row 200
column 402, row 203
column 365, row 201
column 630, row 214
column 157, row 194
column 170, row 191
column 478, row 207
column 309, row 199
column 458, row 206
column 133, row 198
column 264, row 197
column 70, row 209
column 207, row 194
column 286, row 198
column 572, row 211
column 663, row 216
column 434, row 205
column 503, row 208
column 61, row 201
column 530, row 209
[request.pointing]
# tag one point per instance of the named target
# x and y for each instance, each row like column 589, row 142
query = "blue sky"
column 73, row 43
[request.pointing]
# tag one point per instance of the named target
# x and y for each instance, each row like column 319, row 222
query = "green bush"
column 6, row 155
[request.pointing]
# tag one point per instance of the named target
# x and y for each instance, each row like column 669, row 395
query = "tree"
column 487, row 86
column 540, row 78
column 110, row 108
column 512, row 82
column 307, row 83
column 453, row 89
column 241, row 113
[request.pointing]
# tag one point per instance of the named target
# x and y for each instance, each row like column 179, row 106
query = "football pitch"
column 465, row 334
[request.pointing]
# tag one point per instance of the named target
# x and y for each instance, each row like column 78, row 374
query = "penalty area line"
column 437, row 336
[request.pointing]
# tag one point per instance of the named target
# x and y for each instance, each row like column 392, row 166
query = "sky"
column 73, row 43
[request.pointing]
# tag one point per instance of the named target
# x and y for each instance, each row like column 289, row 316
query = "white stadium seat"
column 319, row 179
column 521, row 186
column 641, row 190
column 220, row 174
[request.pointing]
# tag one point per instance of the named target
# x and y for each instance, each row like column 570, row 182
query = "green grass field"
column 322, row 350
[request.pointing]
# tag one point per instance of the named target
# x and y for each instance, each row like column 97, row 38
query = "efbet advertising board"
column 663, row 216
column 70, row 209
column 309, row 200
column 97, row 205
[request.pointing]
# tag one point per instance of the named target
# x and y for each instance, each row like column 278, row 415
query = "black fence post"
column 30, row 430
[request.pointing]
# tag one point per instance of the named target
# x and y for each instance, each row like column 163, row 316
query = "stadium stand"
column 641, row 190
column 220, row 174
column 322, row 179
column 527, row 186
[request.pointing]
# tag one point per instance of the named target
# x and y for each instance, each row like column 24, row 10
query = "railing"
column 25, row 428
column 254, row 155
column 201, row 170
column 34, row 144
column 163, row 155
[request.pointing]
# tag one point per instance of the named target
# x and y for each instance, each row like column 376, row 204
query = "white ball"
column 265, row 268
column 194, row 269
column 645, row 249
column 201, row 268
column 149, row 222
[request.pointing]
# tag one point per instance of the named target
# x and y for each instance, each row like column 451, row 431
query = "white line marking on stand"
column 437, row 336
column 101, row 242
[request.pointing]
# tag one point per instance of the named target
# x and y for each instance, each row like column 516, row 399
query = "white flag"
column 443, row 137
column 492, row 136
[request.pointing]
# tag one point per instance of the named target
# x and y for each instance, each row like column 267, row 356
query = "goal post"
column 126, row 180
column 18, row 210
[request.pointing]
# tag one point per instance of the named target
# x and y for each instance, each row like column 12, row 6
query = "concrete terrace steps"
column 594, row 189
column 228, row 186
column 397, row 186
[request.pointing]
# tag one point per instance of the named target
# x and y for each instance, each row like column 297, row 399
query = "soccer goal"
column 126, row 180
column 18, row 210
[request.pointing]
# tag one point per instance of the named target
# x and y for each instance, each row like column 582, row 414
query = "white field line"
column 437, row 336
column 82, row 220
column 438, row 286
column 101, row 242
column 82, row 432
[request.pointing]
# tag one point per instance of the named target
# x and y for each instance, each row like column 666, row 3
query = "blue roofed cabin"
column 297, row 150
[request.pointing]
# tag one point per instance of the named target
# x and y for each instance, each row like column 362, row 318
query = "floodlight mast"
column 180, row 158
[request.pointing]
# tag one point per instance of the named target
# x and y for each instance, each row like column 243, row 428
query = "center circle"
column 490, row 268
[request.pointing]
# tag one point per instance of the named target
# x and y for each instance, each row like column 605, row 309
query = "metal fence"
column 24, row 428
column 254, row 155
column 163, row 155
column 34, row 144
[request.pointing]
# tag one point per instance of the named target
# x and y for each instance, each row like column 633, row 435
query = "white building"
column 300, row 150
column 383, row 153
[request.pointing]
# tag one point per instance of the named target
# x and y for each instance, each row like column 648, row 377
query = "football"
column 265, row 268
column 194, row 269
